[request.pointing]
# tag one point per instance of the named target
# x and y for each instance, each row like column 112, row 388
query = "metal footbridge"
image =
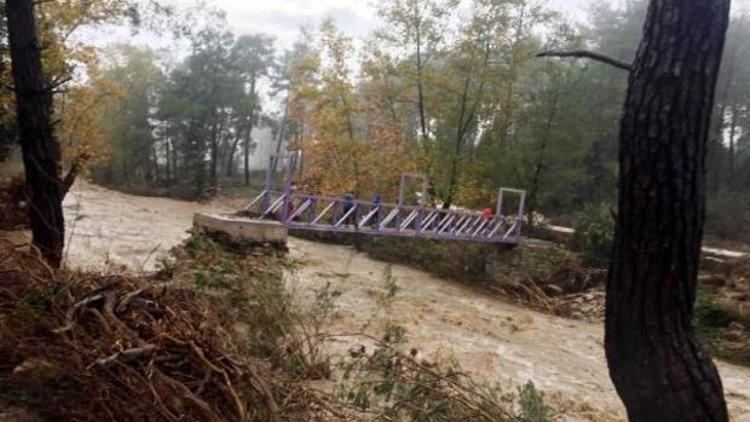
column 348, row 215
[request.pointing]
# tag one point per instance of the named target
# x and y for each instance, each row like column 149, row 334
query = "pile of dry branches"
column 110, row 347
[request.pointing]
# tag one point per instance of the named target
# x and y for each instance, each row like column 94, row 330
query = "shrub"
column 594, row 234
column 727, row 212
column 715, row 316
column 533, row 408
column 393, row 382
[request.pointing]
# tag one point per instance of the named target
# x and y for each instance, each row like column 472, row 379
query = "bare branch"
column 70, row 178
column 57, row 82
column 583, row 54
column 75, row 168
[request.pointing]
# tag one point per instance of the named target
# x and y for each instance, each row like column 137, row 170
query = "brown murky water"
column 494, row 340
column 109, row 228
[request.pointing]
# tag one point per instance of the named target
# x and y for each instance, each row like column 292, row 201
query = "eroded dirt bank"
column 494, row 340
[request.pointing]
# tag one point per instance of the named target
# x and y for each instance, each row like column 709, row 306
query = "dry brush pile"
column 110, row 347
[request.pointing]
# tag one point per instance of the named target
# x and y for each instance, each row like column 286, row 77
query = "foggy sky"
column 283, row 19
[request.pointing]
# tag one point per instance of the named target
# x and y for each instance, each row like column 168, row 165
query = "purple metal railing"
column 321, row 213
column 330, row 214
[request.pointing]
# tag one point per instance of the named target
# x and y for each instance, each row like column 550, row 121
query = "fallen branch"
column 72, row 311
column 583, row 54
column 124, row 302
column 127, row 355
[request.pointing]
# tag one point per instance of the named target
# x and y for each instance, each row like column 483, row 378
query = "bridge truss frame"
column 331, row 214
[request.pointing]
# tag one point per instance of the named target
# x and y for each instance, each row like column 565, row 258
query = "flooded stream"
column 493, row 340
column 109, row 228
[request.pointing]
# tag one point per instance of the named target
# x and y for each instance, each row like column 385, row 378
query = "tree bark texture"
column 246, row 154
column 658, row 367
column 41, row 151
column 420, row 89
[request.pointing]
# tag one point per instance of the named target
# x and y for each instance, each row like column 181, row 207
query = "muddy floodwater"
column 493, row 340
column 105, row 228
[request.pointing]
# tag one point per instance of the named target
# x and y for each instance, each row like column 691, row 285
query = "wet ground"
column 494, row 340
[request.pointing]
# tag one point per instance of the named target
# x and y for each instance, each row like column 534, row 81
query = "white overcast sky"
column 283, row 18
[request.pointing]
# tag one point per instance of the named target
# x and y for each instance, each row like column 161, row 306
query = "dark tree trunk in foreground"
column 41, row 151
column 658, row 368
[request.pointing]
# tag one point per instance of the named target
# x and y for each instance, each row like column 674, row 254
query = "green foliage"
column 166, row 266
column 253, row 288
column 391, row 287
column 197, row 245
column 136, row 77
column 594, row 234
column 714, row 315
column 272, row 326
column 726, row 212
column 446, row 259
column 180, row 127
column 708, row 312
column 393, row 383
column 531, row 401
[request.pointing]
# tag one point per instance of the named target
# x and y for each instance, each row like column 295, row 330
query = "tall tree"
column 296, row 74
column 658, row 367
column 8, row 132
column 127, row 119
column 417, row 27
column 251, row 58
column 41, row 151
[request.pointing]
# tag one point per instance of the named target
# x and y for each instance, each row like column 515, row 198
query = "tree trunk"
column 465, row 122
column 230, row 155
column 174, row 161
column 732, row 147
column 168, row 168
column 214, row 151
column 246, row 154
column 657, row 366
column 125, row 170
column 453, row 178
column 420, row 89
column 41, row 151
column 248, row 141
column 250, row 124
column 536, row 178
column 280, row 139
column 715, row 151
column 349, row 124
column 155, row 158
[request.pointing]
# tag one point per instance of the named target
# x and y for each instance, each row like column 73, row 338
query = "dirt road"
column 494, row 340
